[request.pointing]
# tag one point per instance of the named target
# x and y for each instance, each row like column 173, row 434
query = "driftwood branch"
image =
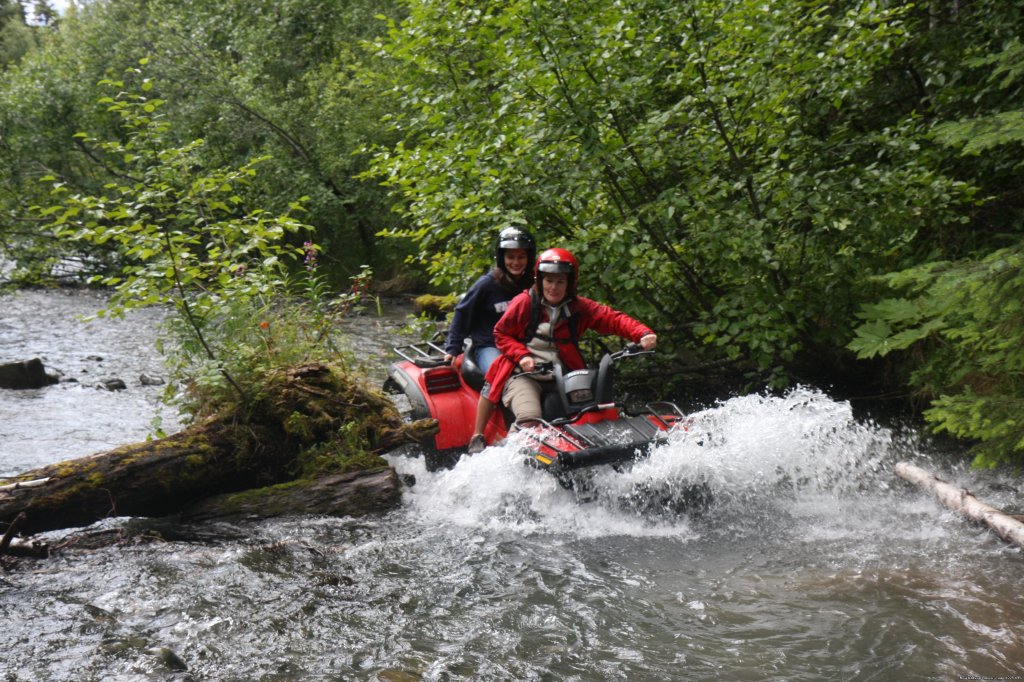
column 962, row 501
column 13, row 546
column 24, row 484
column 12, row 530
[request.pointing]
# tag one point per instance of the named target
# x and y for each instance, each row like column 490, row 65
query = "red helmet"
column 558, row 261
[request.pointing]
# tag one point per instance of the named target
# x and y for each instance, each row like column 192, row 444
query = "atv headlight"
column 578, row 386
column 581, row 396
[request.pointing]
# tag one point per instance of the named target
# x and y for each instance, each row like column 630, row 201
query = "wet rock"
column 170, row 659
column 113, row 384
column 25, row 374
column 147, row 380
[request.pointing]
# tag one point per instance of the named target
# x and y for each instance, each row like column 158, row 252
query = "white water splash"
column 757, row 445
column 747, row 453
column 496, row 490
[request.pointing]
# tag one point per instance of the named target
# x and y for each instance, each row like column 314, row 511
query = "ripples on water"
column 813, row 563
column 75, row 418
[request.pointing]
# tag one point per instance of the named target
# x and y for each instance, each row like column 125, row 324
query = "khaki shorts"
column 524, row 395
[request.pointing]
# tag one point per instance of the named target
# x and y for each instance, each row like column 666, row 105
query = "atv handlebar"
column 540, row 368
column 630, row 350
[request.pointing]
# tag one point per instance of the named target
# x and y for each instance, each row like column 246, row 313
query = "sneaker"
column 476, row 444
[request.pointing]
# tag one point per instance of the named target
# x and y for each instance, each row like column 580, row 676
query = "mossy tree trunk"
column 314, row 425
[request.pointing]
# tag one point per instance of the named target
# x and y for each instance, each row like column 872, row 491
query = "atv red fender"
column 582, row 427
column 448, row 393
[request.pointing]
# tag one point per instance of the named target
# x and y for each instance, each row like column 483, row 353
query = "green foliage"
column 278, row 81
column 970, row 317
column 961, row 321
column 348, row 451
column 19, row 35
column 180, row 229
column 187, row 239
column 983, row 133
column 708, row 162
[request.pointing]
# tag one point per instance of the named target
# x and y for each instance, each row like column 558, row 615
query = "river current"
column 812, row 562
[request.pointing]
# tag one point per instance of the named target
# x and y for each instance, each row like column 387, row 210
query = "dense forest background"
column 826, row 192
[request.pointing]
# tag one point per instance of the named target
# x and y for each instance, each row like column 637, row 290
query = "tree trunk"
column 316, row 431
column 962, row 501
column 355, row 493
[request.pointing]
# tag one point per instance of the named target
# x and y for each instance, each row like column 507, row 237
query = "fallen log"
column 355, row 493
column 314, row 426
column 964, row 502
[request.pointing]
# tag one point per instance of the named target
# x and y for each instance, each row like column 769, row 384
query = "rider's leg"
column 484, row 410
column 523, row 396
column 484, row 356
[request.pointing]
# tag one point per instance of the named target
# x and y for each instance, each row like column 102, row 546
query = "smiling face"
column 516, row 261
column 554, row 285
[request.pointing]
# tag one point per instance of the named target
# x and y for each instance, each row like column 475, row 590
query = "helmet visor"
column 516, row 243
column 555, row 267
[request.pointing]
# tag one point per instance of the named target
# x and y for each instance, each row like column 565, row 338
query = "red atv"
column 582, row 426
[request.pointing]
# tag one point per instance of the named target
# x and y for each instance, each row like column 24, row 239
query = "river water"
column 814, row 562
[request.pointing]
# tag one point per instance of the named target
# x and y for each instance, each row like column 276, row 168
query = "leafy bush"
column 966, row 322
column 963, row 321
column 186, row 239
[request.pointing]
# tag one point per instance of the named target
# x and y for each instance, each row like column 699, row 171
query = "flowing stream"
column 812, row 562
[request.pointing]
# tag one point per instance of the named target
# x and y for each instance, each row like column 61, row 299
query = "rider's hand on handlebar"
column 527, row 364
column 649, row 342
column 448, row 358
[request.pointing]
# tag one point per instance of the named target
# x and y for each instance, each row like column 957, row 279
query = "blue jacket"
column 477, row 313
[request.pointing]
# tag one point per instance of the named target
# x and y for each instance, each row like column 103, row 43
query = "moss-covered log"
column 355, row 493
column 312, row 425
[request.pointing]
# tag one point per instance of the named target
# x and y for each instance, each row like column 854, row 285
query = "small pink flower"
column 310, row 249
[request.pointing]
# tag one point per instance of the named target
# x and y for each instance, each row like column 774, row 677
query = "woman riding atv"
column 485, row 302
column 482, row 306
column 543, row 325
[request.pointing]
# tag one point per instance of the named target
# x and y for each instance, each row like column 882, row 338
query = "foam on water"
column 754, row 446
column 495, row 490
column 747, row 454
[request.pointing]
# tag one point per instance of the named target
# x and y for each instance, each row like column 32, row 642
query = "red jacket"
column 511, row 328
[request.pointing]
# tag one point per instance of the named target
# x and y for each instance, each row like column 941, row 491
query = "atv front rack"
column 564, row 444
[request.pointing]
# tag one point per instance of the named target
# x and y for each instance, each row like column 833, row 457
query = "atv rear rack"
column 422, row 354
column 665, row 407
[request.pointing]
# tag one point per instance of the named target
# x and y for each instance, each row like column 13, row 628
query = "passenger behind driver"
column 482, row 306
column 485, row 302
